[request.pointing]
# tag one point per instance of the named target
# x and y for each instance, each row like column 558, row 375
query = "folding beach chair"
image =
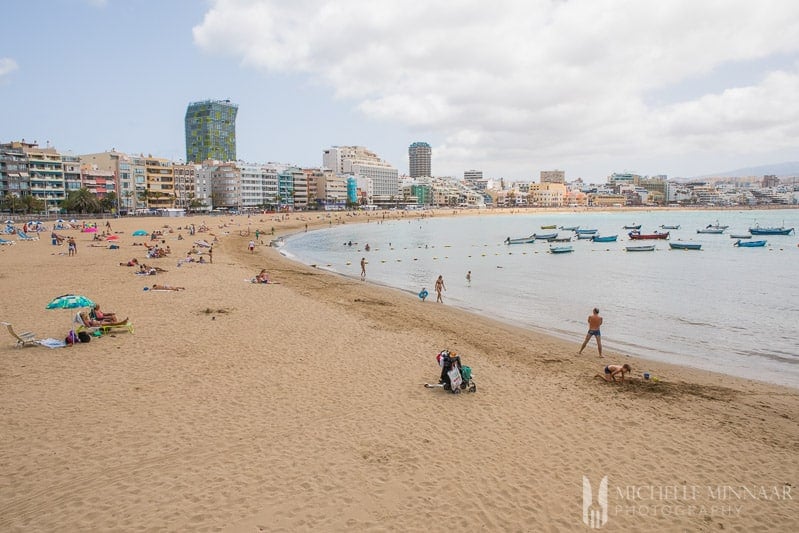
column 26, row 338
column 4, row 241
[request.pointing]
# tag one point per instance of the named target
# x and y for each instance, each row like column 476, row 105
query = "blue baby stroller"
column 455, row 377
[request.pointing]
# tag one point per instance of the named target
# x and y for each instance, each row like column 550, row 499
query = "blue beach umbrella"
column 69, row 301
column 139, row 233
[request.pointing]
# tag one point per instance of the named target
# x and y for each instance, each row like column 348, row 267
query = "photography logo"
column 595, row 516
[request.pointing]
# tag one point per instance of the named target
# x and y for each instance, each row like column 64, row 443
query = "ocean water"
column 727, row 309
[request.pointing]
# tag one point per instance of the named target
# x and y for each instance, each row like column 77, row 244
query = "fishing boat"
column 561, row 249
column 545, row 236
column 685, row 246
column 715, row 231
column 757, row 230
column 521, row 240
column 633, row 226
column 585, row 236
column 551, row 226
column 560, row 239
column 638, row 236
column 641, row 248
column 664, row 226
column 608, row 238
column 716, row 226
column 749, row 244
column 585, row 231
column 740, row 236
column 569, row 228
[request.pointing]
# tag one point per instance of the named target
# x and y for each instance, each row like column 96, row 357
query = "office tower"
column 419, row 159
column 211, row 131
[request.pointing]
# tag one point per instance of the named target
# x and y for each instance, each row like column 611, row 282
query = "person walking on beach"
column 251, row 246
column 72, row 247
column 469, row 278
column 363, row 268
column 611, row 371
column 594, row 322
column 440, row 287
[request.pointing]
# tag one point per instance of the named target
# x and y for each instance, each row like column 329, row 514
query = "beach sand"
column 300, row 406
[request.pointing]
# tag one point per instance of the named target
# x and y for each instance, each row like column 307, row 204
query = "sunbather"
column 262, row 277
column 88, row 322
column 104, row 317
column 157, row 287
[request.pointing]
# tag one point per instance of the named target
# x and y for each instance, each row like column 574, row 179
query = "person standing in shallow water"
column 594, row 322
column 363, row 268
column 440, row 287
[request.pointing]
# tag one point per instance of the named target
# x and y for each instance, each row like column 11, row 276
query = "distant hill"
column 781, row 170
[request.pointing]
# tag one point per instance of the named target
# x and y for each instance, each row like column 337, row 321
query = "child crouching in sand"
column 611, row 371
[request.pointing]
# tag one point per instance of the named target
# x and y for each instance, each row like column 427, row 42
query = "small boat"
column 757, row 230
column 716, row 226
column 569, row 228
column 521, row 240
column 561, row 249
column 579, row 231
column 749, row 244
column 545, row 236
column 608, row 238
column 560, row 239
column 685, row 246
column 740, row 235
column 633, row 226
column 663, row 226
column 715, row 231
column 585, row 236
column 643, row 248
column 638, row 236
column 551, row 226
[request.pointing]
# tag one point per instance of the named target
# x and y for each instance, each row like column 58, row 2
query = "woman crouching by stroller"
column 447, row 360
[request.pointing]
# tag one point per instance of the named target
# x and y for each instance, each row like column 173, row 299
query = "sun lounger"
column 80, row 325
column 26, row 338
column 23, row 236
column 3, row 241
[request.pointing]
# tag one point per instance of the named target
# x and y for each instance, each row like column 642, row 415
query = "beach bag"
column 72, row 338
column 466, row 373
column 84, row 337
column 455, row 378
column 440, row 357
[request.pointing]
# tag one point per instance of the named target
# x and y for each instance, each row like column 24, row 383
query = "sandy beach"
column 300, row 406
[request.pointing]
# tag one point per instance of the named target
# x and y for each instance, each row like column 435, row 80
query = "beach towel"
column 52, row 343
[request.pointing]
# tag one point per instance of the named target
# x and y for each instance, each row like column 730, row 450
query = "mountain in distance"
column 781, row 170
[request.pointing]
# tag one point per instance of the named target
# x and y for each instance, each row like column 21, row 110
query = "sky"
column 510, row 87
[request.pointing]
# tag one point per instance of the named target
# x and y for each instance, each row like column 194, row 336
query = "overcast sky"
column 510, row 87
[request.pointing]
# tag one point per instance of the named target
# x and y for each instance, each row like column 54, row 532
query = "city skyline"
column 512, row 91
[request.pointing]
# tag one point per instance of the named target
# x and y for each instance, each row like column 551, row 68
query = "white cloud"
column 534, row 82
column 7, row 66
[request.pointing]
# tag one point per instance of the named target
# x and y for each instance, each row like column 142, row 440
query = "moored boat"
column 550, row 226
column 638, row 236
column 521, row 240
column 749, row 244
column 641, row 248
column 560, row 239
column 545, row 236
column 569, row 228
column 633, row 226
column 757, row 230
column 607, row 238
column 561, row 249
column 685, row 246
column 664, row 226
column 716, row 226
column 585, row 231
column 740, row 235
column 585, row 236
column 715, row 231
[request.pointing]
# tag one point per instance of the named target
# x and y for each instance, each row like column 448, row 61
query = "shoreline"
column 300, row 405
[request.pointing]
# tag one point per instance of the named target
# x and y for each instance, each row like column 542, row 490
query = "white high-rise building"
column 360, row 162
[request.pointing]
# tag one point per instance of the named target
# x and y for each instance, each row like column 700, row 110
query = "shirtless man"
column 611, row 371
column 594, row 322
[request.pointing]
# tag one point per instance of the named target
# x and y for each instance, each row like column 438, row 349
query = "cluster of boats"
column 635, row 234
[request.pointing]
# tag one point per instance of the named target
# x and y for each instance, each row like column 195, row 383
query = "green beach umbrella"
column 69, row 301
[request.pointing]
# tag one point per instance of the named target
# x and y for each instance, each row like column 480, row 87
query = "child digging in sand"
column 611, row 371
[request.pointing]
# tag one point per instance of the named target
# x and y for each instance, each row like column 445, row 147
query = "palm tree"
column 82, row 201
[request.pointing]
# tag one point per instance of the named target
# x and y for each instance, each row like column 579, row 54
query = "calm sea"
column 727, row 309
